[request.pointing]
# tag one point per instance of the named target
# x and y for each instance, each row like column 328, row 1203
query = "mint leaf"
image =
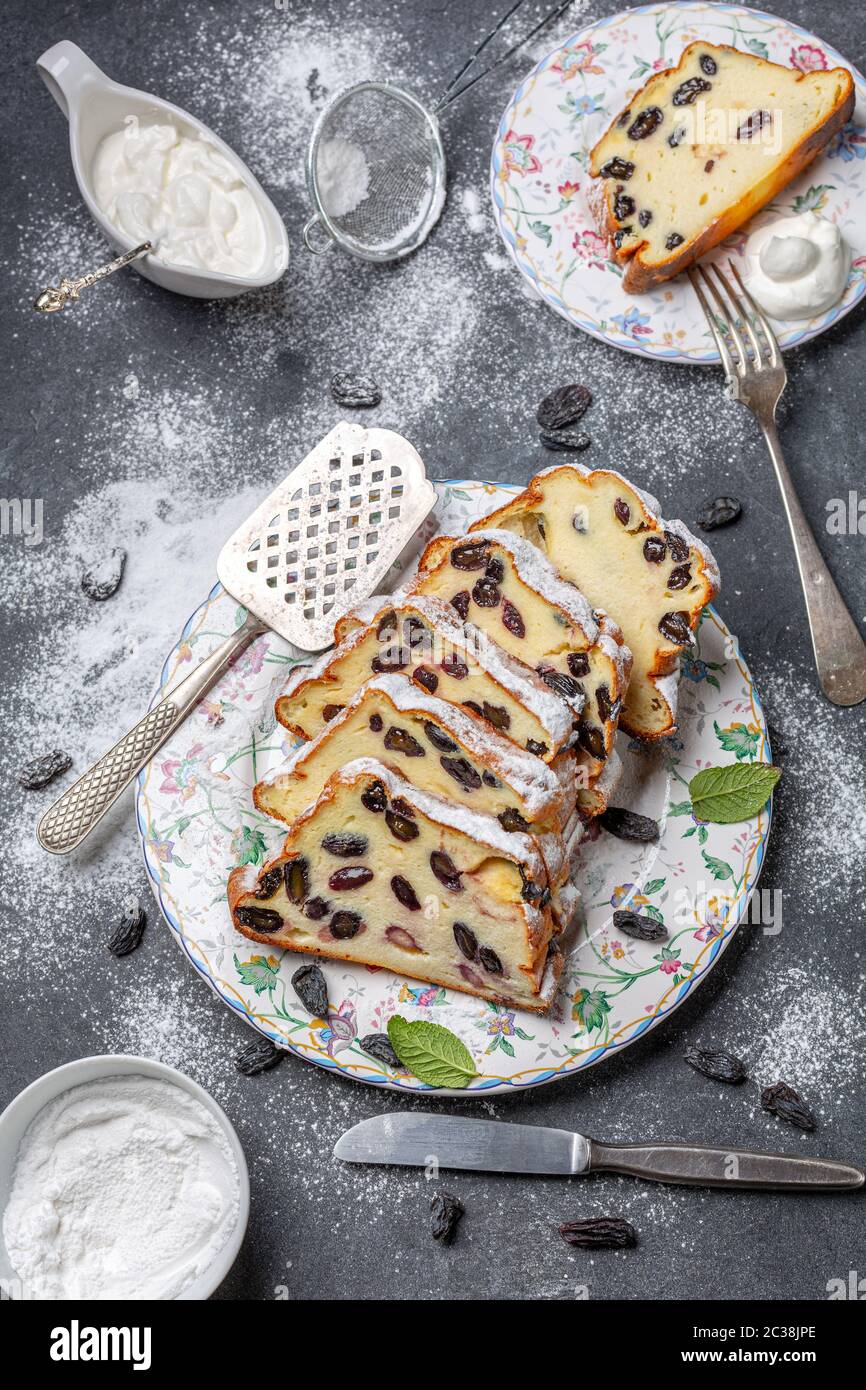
column 733, row 793
column 432, row 1053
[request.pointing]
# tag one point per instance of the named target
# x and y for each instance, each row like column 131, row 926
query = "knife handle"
column 696, row 1166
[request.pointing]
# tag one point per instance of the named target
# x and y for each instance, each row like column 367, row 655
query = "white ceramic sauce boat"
column 95, row 106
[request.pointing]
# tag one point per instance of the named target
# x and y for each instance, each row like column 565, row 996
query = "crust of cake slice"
column 502, row 891
column 649, row 711
column 641, row 274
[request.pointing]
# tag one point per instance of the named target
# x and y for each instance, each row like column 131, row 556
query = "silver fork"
column 757, row 379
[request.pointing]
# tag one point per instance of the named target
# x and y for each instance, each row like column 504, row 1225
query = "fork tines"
column 734, row 322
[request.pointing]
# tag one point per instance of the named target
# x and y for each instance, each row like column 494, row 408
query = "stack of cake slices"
column 459, row 737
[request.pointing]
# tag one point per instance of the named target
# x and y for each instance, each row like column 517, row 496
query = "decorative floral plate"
column 539, row 173
column 197, row 821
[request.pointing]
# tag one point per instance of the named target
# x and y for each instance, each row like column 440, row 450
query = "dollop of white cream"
column 157, row 183
column 797, row 266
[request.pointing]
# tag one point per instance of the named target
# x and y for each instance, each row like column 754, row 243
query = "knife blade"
column 424, row 1140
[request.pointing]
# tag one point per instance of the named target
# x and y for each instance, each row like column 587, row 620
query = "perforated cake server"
column 320, row 543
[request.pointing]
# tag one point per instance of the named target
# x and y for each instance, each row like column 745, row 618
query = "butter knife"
column 495, row 1146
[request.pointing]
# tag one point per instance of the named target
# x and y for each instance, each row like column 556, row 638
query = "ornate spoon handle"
column 56, row 297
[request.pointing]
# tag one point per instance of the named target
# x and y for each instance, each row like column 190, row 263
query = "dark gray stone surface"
column 160, row 419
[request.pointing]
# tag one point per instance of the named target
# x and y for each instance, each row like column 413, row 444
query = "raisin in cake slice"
column 423, row 637
column 431, row 743
column 653, row 576
column 505, row 586
column 381, row 873
column 701, row 148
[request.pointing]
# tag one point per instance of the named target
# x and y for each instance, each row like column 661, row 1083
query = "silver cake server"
column 494, row 1146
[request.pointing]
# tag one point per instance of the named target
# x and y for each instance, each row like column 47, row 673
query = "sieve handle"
column 81, row 807
column 316, row 244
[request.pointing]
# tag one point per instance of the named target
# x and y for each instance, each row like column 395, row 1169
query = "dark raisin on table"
column 720, row 511
column 354, row 390
column 39, row 771
column 628, row 825
column 377, row 1045
column 599, row 1233
column 639, row 926
column 259, row 1055
column 785, row 1103
column 127, row 935
column 565, row 441
column 103, row 578
column 718, row 1066
column 564, row 406
column 311, row 988
column 446, row 1211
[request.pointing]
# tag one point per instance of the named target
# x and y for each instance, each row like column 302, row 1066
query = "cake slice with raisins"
column 653, row 576
column 431, row 743
column 381, row 873
column 424, row 638
column 701, row 148
column 505, row 586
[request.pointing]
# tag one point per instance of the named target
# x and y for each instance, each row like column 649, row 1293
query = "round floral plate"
column 539, row 174
column 197, row 821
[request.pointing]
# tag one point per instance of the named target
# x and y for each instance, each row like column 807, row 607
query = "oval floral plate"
column 197, row 821
column 539, row 174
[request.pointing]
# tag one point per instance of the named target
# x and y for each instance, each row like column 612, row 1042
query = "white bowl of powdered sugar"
column 119, row 1178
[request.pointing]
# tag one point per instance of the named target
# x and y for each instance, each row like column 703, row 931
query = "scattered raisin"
column 344, row 925
column 620, row 235
column 331, row 711
column 38, row 772
column 709, row 166
column 392, row 660
column 401, row 827
column 346, row 846
column 269, row 882
column 617, row 168
column 376, row 723
column 259, row 1055
column 401, row 741
column 261, row 919
column 709, row 65
column 639, row 926
column 352, row 876
column 718, row 1066
column 689, row 91
column 402, row 807
column 438, row 739
column 496, row 715
column 374, row 798
column 103, row 579
column 446, row 871
column 645, row 123
column 622, row 511
column 599, row 1233
column 511, row 819
column 473, row 556
column 486, row 593
column 495, row 569
column 489, row 780
column 675, row 628
column 512, row 620
column 678, row 546
column 466, row 939
column 474, row 707
column 312, row 989
column 591, row 739
column 377, row 1045
column 578, row 663
column 680, row 577
column 785, row 1103
column 445, row 1212
column 623, row 206
column 677, row 136
column 721, row 511
column 490, row 960
column 460, row 603
column 297, row 879
column 628, row 825
column 454, row 667
column 562, row 684
column 426, row 678
column 399, row 936
column 316, row 909
column 603, row 703
column 387, row 626
column 654, row 550
column 564, row 406
column 673, row 241
column 462, row 771
column 570, row 441
column 405, row 893
column 644, row 217
column 534, row 745
column 355, row 391
column 754, row 124
column 129, row 930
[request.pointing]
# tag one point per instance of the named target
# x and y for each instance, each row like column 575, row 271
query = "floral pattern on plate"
column 197, row 821
column 539, row 174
